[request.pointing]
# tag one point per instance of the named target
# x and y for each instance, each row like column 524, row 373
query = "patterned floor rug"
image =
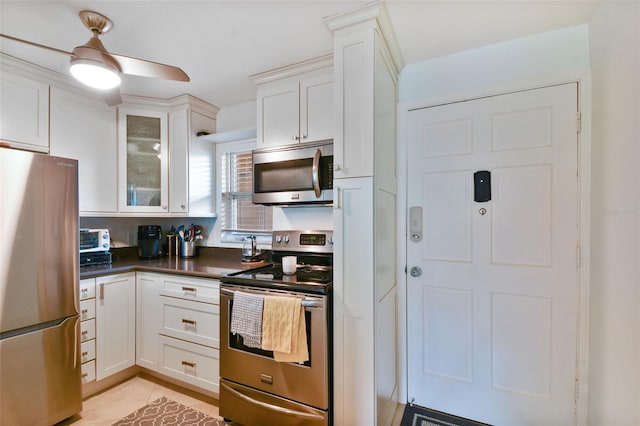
column 414, row 415
column 165, row 412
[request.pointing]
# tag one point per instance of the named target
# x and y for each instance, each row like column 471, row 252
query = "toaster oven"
column 92, row 240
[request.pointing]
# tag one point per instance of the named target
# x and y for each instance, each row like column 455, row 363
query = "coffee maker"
column 149, row 241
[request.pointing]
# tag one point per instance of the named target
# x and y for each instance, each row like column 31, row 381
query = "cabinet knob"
column 164, row 207
column 304, row 136
column 182, row 206
column 295, row 137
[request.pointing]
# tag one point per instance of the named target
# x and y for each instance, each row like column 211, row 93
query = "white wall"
column 236, row 117
column 614, row 374
column 538, row 58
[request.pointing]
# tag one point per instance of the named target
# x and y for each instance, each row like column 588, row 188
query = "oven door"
column 307, row 383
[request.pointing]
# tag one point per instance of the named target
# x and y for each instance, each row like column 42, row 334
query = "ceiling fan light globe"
column 95, row 74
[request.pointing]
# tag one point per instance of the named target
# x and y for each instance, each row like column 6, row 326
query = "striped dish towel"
column 246, row 318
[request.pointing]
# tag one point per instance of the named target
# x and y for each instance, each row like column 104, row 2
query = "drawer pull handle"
column 189, row 364
column 188, row 321
column 84, row 311
column 85, row 332
column 84, row 375
column 84, row 290
column 85, row 353
column 191, row 289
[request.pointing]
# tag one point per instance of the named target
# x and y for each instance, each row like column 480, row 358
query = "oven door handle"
column 265, row 405
column 304, row 302
column 315, row 173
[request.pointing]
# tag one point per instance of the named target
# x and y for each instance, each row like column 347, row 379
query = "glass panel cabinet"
column 143, row 161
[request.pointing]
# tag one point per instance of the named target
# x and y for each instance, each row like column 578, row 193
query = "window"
column 238, row 216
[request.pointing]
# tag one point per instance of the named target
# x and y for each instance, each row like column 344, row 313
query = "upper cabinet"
column 84, row 128
column 295, row 103
column 165, row 168
column 24, row 121
column 144, row 160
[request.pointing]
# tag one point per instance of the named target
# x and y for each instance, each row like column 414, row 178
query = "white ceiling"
column 219, row 44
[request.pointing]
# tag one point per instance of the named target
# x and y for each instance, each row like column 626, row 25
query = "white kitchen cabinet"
column 164, row 168
column 84, row 128
column 88, row 329
column 24, row 121
column 177, row 334
column 148, row 318
column 115, row 323
column 295, row 103
column 192, row 188
column 366, row 367
column 143, row 160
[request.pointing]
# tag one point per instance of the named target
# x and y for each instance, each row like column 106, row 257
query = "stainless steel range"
column 255, row 388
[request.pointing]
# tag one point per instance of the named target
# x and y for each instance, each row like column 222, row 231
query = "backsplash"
column 124, row 230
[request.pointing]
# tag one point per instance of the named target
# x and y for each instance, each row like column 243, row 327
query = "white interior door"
column 492, row 320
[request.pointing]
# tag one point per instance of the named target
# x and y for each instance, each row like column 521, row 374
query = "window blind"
column 237, row 213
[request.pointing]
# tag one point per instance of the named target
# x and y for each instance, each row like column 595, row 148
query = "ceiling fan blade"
column 144, row 68
column 35, row 44
column 112, row 97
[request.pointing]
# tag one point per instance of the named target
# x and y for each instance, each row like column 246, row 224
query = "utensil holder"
column 188, row 249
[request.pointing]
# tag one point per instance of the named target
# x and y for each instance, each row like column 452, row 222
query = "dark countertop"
column 211, row 262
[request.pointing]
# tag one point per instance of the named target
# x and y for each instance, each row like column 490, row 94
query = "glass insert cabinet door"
column 143, row 163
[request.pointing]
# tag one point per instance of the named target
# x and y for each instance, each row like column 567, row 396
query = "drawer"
column 87, row 330
column 87, row 309
column 88, row 372
column 194, row 322
column 88, row 350
column 194, row 364
column 87, row 288
column 198, row 289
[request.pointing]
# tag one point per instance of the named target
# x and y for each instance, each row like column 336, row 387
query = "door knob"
column 415, row 271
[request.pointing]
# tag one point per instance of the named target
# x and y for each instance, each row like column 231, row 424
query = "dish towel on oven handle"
column 246, row 318
column 284, row 329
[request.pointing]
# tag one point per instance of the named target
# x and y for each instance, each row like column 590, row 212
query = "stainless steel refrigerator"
column 39, row 323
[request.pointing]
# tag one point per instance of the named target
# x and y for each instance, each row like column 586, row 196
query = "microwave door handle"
column 315, row 173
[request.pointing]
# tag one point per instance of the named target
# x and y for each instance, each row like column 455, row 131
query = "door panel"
column 492, row 320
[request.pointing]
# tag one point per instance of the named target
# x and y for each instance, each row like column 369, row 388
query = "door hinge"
column 577, row 392
column 578, row 256
column 579, row 122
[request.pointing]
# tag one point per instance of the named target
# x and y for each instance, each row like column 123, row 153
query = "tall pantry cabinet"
column 366, row 66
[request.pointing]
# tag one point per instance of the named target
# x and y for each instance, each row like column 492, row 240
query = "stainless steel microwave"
column 294, row 174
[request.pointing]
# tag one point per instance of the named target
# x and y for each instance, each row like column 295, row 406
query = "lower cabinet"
column 115, row 323
column 88, row 329
column 177, row 327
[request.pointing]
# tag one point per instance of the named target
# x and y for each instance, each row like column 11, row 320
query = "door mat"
column 414, row 415
column 164, row 412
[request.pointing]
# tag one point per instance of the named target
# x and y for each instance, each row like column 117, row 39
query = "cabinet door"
column 316, row 108
column 144, row 167
column 202, row 163
column 115, row 324
column 353, row 289
column 85, row 129
column 278, row 115
column 179, row 161
column 354, row 106
column 148, row 319
column 25, row 112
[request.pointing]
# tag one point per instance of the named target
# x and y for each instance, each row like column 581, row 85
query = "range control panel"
column 309, row 241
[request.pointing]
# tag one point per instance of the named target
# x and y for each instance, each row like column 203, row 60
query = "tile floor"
column 107, row 407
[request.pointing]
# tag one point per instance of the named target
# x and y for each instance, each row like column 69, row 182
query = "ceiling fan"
column 94, row 66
